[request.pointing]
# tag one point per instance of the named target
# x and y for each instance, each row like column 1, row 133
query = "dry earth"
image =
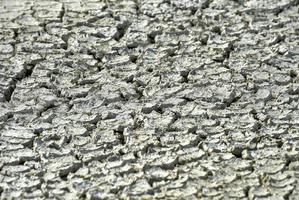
column 149, row 99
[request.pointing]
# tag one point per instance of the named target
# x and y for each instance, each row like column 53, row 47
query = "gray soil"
column 149, row 99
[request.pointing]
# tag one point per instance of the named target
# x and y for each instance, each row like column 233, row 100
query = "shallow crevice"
column 206, row 4
column 121, row 137
column 234, row 100
column 151, row 39
column 28, row 70
column 121, row 29
column 62, row 13
column 8, row 93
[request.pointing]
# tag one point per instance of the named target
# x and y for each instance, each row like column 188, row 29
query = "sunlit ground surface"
column 149, row 99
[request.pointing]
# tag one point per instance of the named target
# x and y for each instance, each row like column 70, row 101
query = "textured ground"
column 143, row 99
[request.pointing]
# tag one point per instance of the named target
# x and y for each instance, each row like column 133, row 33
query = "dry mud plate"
column 149, row 99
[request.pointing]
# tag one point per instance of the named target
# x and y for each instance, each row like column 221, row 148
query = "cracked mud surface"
column 149, row 99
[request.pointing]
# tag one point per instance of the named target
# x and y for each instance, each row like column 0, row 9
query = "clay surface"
column 149, row 99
